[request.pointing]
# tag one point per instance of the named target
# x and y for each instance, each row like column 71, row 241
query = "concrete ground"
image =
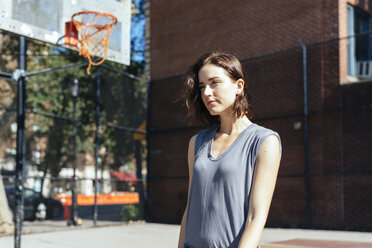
column 135, row 235
column 144, row 235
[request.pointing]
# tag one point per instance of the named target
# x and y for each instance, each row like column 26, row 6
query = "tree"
column 8, row 63
column 123, row 103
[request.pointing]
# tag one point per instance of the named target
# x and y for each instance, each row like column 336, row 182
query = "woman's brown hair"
column 192, row 93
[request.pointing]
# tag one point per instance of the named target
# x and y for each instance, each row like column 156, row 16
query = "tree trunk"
column 6, row 222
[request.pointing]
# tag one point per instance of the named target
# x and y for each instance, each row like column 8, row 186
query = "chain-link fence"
column 112, row 198
column 322, row 110
column 107, row 112
column 316, row 96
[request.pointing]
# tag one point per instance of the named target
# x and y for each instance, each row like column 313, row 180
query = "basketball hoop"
column 94, row 29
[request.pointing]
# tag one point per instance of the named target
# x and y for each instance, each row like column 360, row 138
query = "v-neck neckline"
column 210, row 144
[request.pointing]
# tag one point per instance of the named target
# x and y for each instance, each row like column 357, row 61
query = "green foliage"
column 130, row 212
column 50, row 93
column 123, row 103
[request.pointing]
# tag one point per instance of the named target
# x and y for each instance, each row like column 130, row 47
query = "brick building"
column 325, row 178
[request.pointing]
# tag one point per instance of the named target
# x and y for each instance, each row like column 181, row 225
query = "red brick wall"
column 182, row 30
column 339, row 116
column 357, row 154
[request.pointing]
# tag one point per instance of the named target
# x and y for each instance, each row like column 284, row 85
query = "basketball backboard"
column 45, row 20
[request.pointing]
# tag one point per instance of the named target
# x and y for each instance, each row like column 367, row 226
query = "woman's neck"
column 231, row 125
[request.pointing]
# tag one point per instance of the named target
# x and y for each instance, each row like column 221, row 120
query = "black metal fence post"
column 21, row 144
column 98, row 95
column 306, row 133
column 74, row 216
column 138, row 156
column 148, row 214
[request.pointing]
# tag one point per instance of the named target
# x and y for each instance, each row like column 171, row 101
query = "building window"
column 359, row 42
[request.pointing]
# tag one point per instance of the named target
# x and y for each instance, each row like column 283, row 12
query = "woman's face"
column 218, row 90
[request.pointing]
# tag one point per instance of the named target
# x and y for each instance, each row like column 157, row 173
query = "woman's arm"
column 190, row 162
column 264, row 179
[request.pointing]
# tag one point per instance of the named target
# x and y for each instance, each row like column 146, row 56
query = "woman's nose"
column 207, row 90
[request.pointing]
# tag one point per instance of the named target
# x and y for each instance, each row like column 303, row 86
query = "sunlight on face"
column 218, row 90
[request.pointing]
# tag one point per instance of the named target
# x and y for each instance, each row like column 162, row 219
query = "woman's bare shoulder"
column 193, row 139
column 191, row 151
column 270, row 148
column 192, row 144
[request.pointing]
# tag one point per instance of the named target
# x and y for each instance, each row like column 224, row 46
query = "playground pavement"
column 56, row 234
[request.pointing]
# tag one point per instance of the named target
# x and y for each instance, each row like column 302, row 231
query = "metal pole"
column 63, row 67
column 21, row 147
column 6, row 76
column 138, row 156
column 148, row 213
column 129, row 129
column 126, row 74
column 74, row 193
column 306, row 133
column 98, row 95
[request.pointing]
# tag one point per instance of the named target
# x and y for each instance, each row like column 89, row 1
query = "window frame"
column 352, row 14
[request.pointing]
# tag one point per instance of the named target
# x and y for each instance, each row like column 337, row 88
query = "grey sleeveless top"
column 220, row 188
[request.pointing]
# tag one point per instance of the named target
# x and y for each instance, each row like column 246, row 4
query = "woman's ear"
column 240, row 86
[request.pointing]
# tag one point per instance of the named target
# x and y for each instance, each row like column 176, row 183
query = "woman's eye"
column 214, row 82
column 201, row 87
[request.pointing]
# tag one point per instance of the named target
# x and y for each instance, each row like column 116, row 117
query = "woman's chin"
column 213, row 113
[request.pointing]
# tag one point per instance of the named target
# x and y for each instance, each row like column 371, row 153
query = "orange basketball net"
column 94, row 30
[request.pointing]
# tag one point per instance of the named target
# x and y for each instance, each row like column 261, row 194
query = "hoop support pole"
column 21, row 143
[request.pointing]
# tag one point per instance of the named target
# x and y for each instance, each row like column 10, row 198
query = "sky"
column 138, row 36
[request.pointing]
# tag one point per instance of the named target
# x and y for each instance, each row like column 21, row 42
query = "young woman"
column 232, row 166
